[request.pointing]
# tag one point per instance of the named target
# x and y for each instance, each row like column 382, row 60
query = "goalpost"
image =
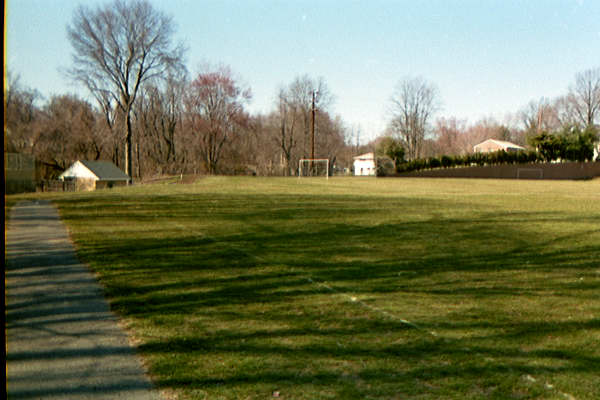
column 530, row 173
column 313, row 167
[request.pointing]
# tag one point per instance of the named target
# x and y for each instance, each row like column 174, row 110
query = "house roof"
column 105, row 170
column 366, row 156
column 501, row 143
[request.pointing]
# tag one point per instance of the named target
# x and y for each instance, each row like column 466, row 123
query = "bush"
column 385, row 166
column 479, row 159
column 434, row 163
column 447, row 161
column 570, row 144
column 391, row 148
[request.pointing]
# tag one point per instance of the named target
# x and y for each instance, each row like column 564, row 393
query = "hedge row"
column 570, row 144
column 468, row 160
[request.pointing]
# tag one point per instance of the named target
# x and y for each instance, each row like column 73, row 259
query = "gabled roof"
column 366, row 156
column 501, row 143
column 105, row 170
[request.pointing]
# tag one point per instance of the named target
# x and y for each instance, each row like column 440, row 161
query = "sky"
column 486, row 58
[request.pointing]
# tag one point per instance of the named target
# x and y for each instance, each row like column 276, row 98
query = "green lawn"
column 236, row 288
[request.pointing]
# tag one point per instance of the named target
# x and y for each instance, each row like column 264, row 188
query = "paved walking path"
column 62, row 340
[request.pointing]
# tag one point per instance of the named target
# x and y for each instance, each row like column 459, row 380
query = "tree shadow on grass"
column 415, row 366
column 251, row 286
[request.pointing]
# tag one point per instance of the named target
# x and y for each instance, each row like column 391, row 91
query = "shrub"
column 392, row 148
column 434, row 162
column 570, row 144
column 448, row 161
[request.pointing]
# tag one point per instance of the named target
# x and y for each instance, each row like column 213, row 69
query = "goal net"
column 530, row 173
column 313, row 167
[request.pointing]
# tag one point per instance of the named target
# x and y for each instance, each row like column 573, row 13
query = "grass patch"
column 353, row 288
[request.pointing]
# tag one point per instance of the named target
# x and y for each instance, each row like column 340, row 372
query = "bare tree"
column 450, row 136
column 118, row 47
column 331, row 138
column 584, row 97
column 20, row 114
column 295, row 116
column 66, row 133
column 159, row 114
column 564, row 109
column 111, row 118
column 539, row 116
column 215, row 113
column 289, row 116
column 413, row 103
column 299, row 94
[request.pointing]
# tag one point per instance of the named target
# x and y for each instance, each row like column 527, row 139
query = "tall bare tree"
column 214, row 108
column 539, row 116
column 287, row 132
column 67, row 133
column 413, row 103
column 20, row 114
column 584, row 97
column 299, row 94
column 294, row 113
column 159, row 114
column 117, row 47
column 450, row 136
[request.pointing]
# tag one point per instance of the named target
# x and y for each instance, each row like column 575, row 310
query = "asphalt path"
column 63, row 342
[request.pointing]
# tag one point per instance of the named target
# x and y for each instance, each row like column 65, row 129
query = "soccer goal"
column 313, row 167
column 530, row 173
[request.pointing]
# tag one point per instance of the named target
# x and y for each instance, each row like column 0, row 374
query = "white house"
column 90, row 175
column 364, row 165
column 491, row 145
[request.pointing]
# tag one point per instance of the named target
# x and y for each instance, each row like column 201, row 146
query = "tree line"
column 150, row 117
column 564, row 129
column 574, row 145
column 415, row 101
column 198, row 126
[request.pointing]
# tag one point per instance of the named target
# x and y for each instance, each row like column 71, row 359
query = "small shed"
column 90, row 175
column 364, row 165
column 492, row 145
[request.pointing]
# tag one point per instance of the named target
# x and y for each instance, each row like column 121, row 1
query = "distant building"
column 492, row 145
column 90, row 175
column 364, row 165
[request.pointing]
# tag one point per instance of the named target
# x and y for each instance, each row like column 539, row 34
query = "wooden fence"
column 567, row 170
column 55, row 186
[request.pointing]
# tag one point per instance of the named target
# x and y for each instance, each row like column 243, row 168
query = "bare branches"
column 584, row 97
column 117, row 48
column 214, row 107
column 413, row 103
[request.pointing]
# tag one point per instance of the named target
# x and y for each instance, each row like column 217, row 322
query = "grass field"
column 252, row 288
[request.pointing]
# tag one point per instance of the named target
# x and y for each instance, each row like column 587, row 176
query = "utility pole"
column 312, row 134
column 312, row 127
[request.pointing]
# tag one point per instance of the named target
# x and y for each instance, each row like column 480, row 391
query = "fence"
column 568, row 170
column 55, row 186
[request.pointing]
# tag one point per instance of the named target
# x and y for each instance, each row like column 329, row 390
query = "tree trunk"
column 128, row 148
column 137, row 152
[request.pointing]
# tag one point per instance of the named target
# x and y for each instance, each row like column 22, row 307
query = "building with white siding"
column 90, row 175
column 365, row 165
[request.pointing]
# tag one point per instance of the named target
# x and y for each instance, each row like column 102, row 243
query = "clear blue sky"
column 487, row 58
